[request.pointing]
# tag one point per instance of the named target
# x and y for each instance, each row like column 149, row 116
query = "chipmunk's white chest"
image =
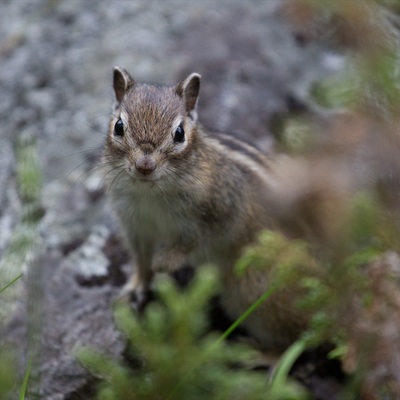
column 150, row 214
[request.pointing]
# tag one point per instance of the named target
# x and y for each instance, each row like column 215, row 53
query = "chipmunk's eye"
column 179, row 135
column 119, row 128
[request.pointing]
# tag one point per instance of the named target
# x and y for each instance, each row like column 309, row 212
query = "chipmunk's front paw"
column 135, row 293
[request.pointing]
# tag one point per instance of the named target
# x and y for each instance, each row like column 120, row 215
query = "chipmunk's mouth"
column 138, row 176
column 147, row 179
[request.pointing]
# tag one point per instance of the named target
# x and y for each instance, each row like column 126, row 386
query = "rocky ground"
column 56, row 61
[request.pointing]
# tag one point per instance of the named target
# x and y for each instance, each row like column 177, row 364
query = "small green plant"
column 179, row 358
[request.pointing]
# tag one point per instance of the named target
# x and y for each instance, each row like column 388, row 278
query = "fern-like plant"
column 179, row 358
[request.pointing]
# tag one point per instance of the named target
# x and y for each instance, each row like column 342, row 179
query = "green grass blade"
column 247, row 313
column 24, row 386
column 10, row 283
column 285, row 364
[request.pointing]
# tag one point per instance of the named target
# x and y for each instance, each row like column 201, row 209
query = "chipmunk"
column 187, row 195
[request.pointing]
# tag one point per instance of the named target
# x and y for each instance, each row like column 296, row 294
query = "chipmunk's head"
column 153, row 127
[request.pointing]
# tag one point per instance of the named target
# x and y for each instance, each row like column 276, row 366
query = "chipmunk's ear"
column 122, row 82
column 189, row 89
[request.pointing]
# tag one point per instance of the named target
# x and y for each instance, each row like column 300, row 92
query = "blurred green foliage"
column 338, row 292
column 23, row 240
column 179, row 358
column 29, row 179
column 7, row 374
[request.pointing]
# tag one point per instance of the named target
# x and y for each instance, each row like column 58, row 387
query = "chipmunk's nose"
column 145, row 165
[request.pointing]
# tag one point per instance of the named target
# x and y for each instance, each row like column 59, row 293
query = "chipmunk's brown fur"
column 194, row 197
